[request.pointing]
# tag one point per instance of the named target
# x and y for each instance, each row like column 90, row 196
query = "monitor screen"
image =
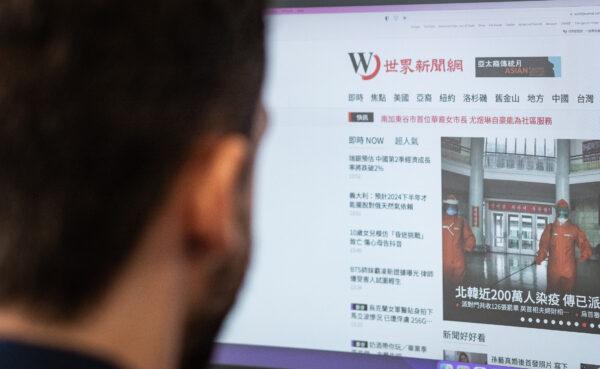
column 428, row 191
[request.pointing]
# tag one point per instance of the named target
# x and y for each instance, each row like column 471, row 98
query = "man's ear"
column 215, row 173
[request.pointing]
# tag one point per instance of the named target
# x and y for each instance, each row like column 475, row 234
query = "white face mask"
column 562, row 220
column 452, row 211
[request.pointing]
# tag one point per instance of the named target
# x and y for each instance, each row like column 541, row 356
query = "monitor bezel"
column 346, row 3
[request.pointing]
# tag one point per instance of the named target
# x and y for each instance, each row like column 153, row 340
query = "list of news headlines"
column 430, row 197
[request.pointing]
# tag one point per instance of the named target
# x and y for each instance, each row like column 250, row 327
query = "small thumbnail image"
column 590, row 366
column 465, row 357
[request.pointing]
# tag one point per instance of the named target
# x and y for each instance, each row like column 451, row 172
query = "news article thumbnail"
column 521, row 232
column 465, row 357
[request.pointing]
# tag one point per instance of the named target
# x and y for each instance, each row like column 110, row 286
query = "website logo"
column 366, row 65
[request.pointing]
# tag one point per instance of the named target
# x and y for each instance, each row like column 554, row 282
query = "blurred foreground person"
column 128, row 131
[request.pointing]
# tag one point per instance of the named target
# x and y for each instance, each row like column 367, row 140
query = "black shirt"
column 16, row 355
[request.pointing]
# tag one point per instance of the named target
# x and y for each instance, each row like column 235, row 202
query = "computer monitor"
column 428, row 191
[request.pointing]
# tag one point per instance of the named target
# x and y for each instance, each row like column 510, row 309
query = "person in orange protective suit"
column 558, row 244
column 457, row 238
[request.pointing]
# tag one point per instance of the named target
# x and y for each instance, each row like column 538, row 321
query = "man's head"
column 563, row 211
column 123, row 124
column 451, row 205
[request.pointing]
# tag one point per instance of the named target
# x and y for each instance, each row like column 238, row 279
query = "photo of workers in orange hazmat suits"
column 457, row 239
column 558, row 244
column 521, row 232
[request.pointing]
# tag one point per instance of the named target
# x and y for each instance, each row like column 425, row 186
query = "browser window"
column 429, row 188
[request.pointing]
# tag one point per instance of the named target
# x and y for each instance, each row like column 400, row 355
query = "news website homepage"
column 429, row 186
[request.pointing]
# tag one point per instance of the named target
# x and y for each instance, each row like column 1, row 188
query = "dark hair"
column 100, row 102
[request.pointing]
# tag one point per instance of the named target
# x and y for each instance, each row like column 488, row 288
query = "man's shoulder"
column 20, row 355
